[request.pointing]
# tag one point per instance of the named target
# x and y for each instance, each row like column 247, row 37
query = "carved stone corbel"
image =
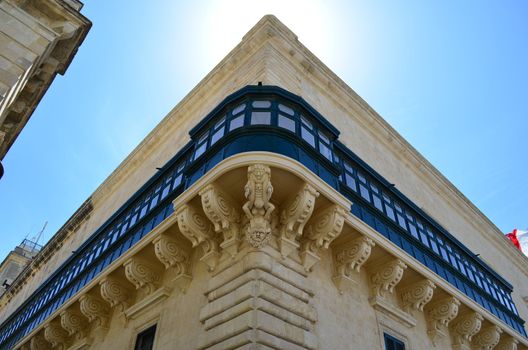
column 38, row 342
column 115, row 292
column 258, row 208
column 385, row 278
column 417, row 295
column 327, row 225
column 439, row 316
column 294, row 216
column 219, row 208
column 464, row 329
column 175, row 255
column 197, row 229
column 142, row 274
column 488, row 338
column 74, row 323
column 507, row 343
column 348, row 259
column 56, row 335
column 95, row 309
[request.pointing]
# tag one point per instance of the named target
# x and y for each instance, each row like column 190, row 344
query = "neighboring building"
column 293, row 217
column 16, row 261
column 38, row 39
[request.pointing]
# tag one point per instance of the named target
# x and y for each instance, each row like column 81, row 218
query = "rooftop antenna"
column 40, row 233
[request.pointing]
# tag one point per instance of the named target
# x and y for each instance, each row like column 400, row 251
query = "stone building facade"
column 38, row 39
column 291, row 216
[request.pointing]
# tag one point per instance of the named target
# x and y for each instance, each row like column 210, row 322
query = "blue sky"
column 450, row 76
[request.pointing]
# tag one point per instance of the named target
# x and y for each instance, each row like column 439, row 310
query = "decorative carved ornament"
column 488, row 338
column 175, row 255
column 197, row 229
column 74, row 323
column 219, row 208
column 465, row 328
column 56, row 335
column 439, row 316
column 258, row 208
column 508, row 343
column 294, row 217
column 142, row 274
column 115, row 292
column 385, row 278
column 348, row 259
column 95, row 310
column 38, row 342
column 326, row 226
column 417, row 295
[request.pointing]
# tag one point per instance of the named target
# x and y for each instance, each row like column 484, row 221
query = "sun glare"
column 226, row 22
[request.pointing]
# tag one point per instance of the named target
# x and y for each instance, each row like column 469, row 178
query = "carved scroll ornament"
column 142, row 275
column 465, row 328
column 115, row 292
column 74, row 323
column 488, row 338
column 439, row 317
column 417, row 295
column 385, row 278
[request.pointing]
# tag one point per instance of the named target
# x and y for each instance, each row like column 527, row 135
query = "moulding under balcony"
column 147, row 303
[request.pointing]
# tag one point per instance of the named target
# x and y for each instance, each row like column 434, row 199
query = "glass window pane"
column 307, row 136
column 364, row 192
column 361, row 177
column 401, row 222
column 220, row 122
column 325, row 151
column 348, row 167
column 239, row 108
column 306, row 122
column 374, row 188
column 286, row 123
column 286, row 109
column 217, row 135
column 324, row 137
column 200, row 150
column 203, row 137
column 377, row 202
column 390, row 212
column 261, row 104
column 350, row 181
column 236, row 123
column 413, row 231
column 398, row 208
column 260, row 118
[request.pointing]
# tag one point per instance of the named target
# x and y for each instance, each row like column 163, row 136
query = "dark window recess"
column 392, row 343
column 145, row 339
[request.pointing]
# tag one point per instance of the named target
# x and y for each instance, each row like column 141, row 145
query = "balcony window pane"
column 286, row 123
column 361, row 177
column 239, row 108
column 351, row 182
column 200, row 150
column 325, row 151
column 390, row 213
column 261, row 104
column 258, row 118
column 286, row 109
column 377, row 202
column 348, row 167
column 401, row 222
column 306, row 122
column 203, row 138
column 220, row 122
column 307, row 136
column 413, row 231
column 364, row 192
column 217, row 135
column 236, row 123
column 323, row 137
